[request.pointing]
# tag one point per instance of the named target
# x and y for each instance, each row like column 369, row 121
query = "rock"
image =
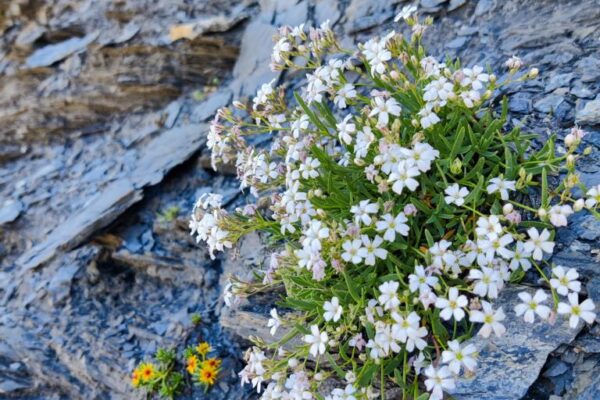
column 484, row 6
column 588, row 69
column 457, row 43
column 29, row 34
column 206, row 110
column 509, row 364
column 558, row 81
column 520, row 103
column 10, row 211
column 590, row 114
column 593, row 290
column 431, row 4
column 9, row 386
column 548, row 103
column 252, row 67
column 454, row 4
column 50, row 54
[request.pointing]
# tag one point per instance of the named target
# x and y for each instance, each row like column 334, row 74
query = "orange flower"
column 203, row 349
column 213, row 363
column 208, row 376
column 135, row 378
column 146, row 371
column 192, row 364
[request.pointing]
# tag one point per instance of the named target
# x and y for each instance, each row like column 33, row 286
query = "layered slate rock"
column 508, row 365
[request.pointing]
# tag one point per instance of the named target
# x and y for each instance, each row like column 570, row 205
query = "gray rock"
column 559, row 80
column 509, row 364
column 10, row 211
column 588, row 69
column 520, row 103
column 484, row 6
column 50, row 54
column 548, row 103
column 432, row 4
column 593, row 291
column 457, row 43
column 590, row 114
column 207, row 109
column 454, row 4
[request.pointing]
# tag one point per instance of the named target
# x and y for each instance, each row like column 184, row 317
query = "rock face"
column 509, row 364
column 102, row 156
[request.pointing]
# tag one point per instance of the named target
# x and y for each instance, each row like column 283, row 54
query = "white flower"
column 377, row 54
column 362, row 210
column 421, row 155
column 282, row 46
column 514, row 62
column 496, row 245
column 346, row 130
column 384, row 108
column 371, row 249
column 558, row 214
column 333, row 310
column 593, row 197
column 403, row 177
column 500, row 185
column 456, row 194
column 437, row 380
column 390, row 225
column 342, row 394
column 538, row 243
column 421, row 281
column 428, row 117
column 317, row 340
column 491, row 320
column 407, row 330
column 456, row 357
column 520, row 258
column 437, row 92
column 453, row 306
column 308, row 169
column 565, row 281
column 576, row 310
column 405, row 13
column 488, row 226
column 531, row 306
column 487, row 282
column 389, row 297
column 474, row 77
column 274, row 322
column 313, row 235
column 352, row 251
column 364, row 139
column 346, row 92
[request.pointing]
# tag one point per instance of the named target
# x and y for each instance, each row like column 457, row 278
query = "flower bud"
column 578, row 205
column 587, row 151
column 507, row 209
column 570, row 140
column 456, row 167
column 395, row 75
column 292, row 363
column 239, row 105
column 533, row 73
column 542, row 212
column 318, row 376
column 570, row 160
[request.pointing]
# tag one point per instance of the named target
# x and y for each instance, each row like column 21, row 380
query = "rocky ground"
column 103, row 115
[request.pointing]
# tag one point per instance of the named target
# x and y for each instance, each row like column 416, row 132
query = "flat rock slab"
column 50, row 54
column 170, row 148
column 508, row 365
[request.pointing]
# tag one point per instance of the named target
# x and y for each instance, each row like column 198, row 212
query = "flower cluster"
column 203, row 368
column 399, row 209
column 162, row 377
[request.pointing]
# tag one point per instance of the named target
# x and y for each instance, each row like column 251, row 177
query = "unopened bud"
column 587, row 151
column 578, row 205
column 456, row 167
column 570, row 160
column 542, row 212
column 507, row 208
column 570, row 140
column 533, row 73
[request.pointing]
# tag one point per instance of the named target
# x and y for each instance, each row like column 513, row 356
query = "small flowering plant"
column 204, row 369
column 398, row 206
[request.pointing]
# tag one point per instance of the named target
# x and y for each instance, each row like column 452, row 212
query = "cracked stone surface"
column 102, row 142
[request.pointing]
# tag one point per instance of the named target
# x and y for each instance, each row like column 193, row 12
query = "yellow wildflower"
column 192, row 364
column 208, row 376
column 213, row 363
column 146, row 371
column 135, row 378
column 203, row 349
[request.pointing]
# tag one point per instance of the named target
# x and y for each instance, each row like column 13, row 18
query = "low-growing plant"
column 159, row 378
column 163, row 378
column 400, row 205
